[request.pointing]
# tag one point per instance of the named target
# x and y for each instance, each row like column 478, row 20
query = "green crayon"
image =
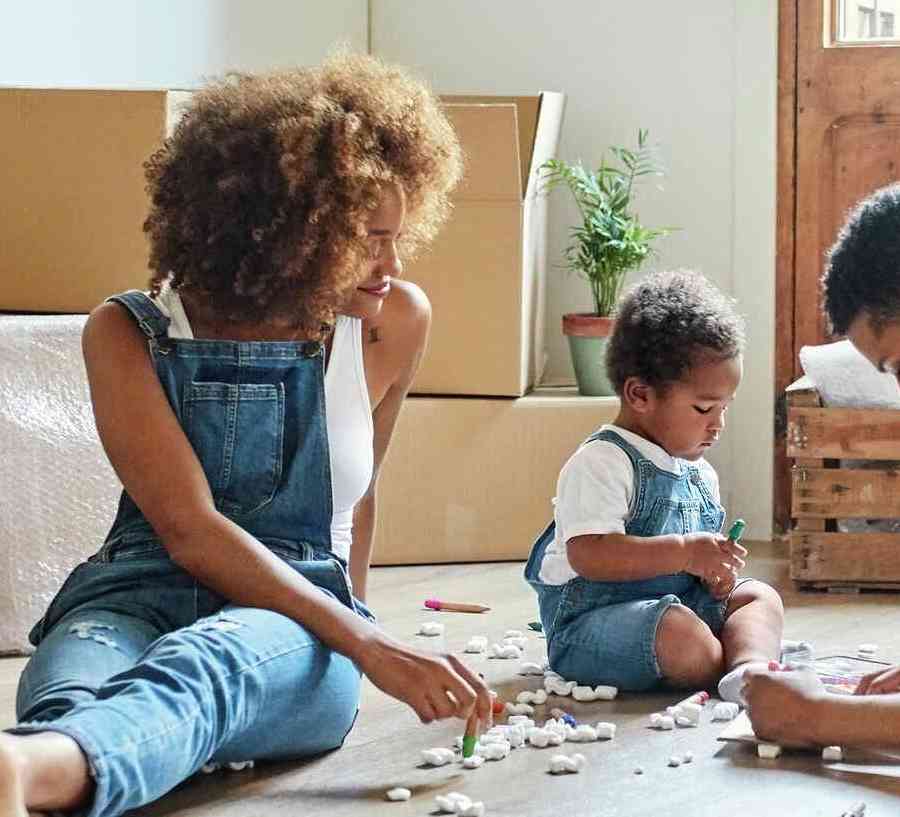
column 737, row 530
column 468, row 746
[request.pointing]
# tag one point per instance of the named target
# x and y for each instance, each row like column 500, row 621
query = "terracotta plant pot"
column 588, row 338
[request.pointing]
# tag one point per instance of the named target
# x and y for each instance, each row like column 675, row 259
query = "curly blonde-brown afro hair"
column 261, row 196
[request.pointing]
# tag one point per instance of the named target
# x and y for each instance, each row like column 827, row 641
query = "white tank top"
column 348, row 416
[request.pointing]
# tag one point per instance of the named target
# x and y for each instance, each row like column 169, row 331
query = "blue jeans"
column 155, row 681
column 150, row 672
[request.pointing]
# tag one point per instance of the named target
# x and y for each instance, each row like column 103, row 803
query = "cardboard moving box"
column 485, row 273
column 472, row 479
column 72, row 198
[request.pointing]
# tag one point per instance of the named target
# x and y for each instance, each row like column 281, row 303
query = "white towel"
column 844, row 378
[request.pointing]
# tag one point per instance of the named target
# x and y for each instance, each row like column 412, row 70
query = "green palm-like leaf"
column 610, row 241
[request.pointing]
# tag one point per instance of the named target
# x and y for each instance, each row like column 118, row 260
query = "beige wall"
column 166, row 43
column 702, row 77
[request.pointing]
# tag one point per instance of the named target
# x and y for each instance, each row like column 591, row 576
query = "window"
column 865, row 21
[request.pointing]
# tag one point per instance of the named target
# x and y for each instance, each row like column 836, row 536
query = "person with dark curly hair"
column 862, row 301
column 636, row 585
column 246, row 403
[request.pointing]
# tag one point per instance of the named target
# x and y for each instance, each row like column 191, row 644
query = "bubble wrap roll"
column 58, row 492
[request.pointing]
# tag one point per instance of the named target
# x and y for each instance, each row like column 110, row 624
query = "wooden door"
column 838, row 140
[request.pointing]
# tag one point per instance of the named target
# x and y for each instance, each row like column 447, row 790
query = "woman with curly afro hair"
column 246, row 402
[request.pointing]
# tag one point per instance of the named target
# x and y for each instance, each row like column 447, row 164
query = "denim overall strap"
column 148, row 316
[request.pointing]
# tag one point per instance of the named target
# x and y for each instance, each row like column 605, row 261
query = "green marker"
column 737, row 530
column 469, row 742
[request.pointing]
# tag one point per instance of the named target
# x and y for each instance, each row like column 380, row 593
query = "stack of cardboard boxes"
column 472, row 468
column 473, row 465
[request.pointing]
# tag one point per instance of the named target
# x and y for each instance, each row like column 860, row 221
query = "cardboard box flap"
column 539, row 120
column 546, row 137
column 489, row 138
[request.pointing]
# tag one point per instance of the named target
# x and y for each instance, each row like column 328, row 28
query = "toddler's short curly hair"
column 666, row 324
column 862, row 274
column 260, row 198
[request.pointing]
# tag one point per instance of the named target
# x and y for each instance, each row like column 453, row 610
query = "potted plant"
column 609, row 242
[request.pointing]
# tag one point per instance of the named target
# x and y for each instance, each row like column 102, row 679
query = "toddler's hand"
column 715, row 559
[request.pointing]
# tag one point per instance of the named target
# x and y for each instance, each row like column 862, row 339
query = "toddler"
column 637, row 587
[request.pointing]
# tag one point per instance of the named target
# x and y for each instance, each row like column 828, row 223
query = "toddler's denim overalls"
column 604, row 632
column 154, row 674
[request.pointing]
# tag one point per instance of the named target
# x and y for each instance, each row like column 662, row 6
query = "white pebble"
column 524, row 720
column 606, row 731
column 494, row 751
column 437, row 757
column 518, row 709
column 655, row 718
column 555, row 685
column 473, row 761
column 725, row 711
column 664, row 722
column 431, row 628
column 583, row 733
column 452, row 803
column 521, row 642
column 688, row 756
column 537, row 737
column 681, row 720
column 560, row 764
column 477, row 644
column 768, row 751
column 504, row 651
column 675, row 761
column 537, row 697
column 240, row 765
column 530, row 668
column 516, row 736
column 513, row 634
column 867, row 649
column 399, row 794
column 832, row 753
column 691, row 712
column 210, row 768
column 598, row 693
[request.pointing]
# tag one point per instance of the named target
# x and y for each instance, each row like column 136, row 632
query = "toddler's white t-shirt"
column 595, row 491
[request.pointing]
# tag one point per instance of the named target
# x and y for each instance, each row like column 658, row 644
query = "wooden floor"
column 383, row 749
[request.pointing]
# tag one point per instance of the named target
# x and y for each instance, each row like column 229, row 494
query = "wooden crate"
column 822, row 491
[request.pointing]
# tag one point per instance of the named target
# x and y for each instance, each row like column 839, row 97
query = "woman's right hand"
column 713, row 558
column 880, row 683
column 435, row 685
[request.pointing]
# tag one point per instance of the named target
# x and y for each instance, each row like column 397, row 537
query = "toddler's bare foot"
column 12, row 793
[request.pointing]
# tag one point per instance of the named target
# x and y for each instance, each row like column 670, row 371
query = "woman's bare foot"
column 12, row 790
column 44, row 771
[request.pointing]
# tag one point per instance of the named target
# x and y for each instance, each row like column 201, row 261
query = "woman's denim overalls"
column 601, row 632
column 155, row 675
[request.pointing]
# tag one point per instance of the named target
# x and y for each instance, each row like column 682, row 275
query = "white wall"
column 701, row 76
column 166, row 43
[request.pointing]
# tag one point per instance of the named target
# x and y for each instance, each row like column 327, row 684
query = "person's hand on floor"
column 880, row 683
column 784, row 706
column 435, row 686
